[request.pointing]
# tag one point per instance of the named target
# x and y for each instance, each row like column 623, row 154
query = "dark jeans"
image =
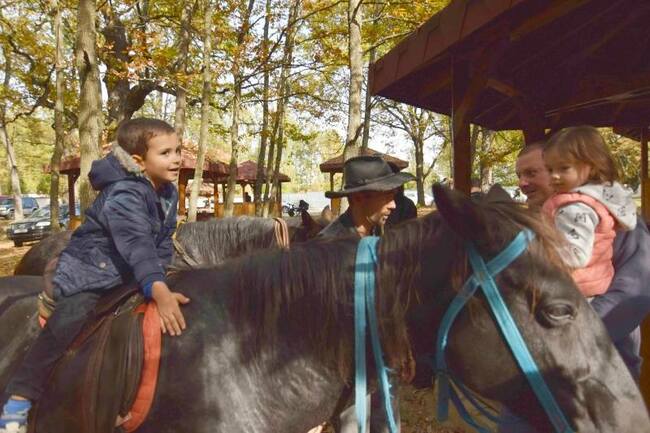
column 377, row 421
column 62, row 328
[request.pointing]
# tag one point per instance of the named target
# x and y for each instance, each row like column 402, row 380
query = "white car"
column 413, row 195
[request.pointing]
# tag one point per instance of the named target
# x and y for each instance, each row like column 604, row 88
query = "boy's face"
column 162, row 161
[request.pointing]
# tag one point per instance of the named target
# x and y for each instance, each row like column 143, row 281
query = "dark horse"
column 269, row 341
column 210, row 241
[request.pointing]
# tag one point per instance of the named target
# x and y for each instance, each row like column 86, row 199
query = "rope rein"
column 281, row 232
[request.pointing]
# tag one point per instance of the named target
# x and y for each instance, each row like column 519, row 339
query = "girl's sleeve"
column 577, row 222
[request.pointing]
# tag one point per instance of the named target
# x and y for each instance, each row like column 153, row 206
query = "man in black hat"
column 370, row 186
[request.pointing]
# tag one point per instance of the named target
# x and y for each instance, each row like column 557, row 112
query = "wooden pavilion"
column 335, row 165
column 532, row 65
column 247, row 176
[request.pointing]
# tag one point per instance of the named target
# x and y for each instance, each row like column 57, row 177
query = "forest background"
column 280, row 82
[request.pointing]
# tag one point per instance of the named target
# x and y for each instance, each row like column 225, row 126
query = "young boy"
column 125, row 238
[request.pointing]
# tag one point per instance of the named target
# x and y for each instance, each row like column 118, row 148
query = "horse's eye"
column 558, row 313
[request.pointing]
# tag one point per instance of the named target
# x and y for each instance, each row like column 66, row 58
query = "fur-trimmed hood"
column 116, row 166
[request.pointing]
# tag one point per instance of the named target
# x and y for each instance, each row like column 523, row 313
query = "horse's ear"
column 307, row 221
column 463, row 216
column 326, row 214
column 498, row 194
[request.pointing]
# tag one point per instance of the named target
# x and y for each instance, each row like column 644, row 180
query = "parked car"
column 37, row 226
column 413, row 195
column 30, row 204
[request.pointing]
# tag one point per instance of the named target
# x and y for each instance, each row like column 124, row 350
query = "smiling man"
column 534, row 180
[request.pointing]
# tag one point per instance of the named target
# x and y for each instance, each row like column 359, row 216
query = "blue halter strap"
column 365, row 313
column 483, row 277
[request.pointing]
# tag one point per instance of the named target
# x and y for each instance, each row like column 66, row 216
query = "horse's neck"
column 417, row 253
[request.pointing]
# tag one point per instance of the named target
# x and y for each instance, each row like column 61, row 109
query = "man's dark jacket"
column 127, row 232
column 627, row 301
column 404, row 210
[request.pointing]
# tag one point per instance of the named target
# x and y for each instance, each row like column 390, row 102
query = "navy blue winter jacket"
column 127, row 232
column 627, row 301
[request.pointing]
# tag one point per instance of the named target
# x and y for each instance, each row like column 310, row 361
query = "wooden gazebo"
column 213, row 171
column 531, row 65
column 246, row 176
column 335, row 165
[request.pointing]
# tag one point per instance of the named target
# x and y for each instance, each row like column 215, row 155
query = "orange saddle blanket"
column 109, row 373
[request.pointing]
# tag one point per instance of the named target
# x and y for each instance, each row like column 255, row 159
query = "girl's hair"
column 585, row 144
column 133, row 135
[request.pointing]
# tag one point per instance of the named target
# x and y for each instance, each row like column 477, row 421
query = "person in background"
column 476, row 193
column 370, row 186
column 405, row 209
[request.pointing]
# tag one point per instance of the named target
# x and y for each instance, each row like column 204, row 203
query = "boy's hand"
column 171, row 318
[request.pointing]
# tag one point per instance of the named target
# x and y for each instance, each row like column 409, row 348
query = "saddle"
column 109, row 372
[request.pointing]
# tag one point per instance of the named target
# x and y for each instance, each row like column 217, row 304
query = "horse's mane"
column 209, row 243
column 306, row 292
column 547, row 244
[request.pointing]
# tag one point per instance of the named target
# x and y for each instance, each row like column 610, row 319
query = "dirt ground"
column 417, row 407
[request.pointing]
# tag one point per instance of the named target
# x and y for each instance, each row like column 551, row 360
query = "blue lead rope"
column 483, row 277
column 364, row 305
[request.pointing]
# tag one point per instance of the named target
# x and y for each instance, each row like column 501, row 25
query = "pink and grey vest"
column 596, row 276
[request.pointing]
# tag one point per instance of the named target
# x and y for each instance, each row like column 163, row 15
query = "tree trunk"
column 368, row 103
column 269, row 163
column 368, row 106
column 181, row 93
column 12, row 165
column 205, row 113
column 273, row 167
column 55, row 162
column 89, row 97
column 419, row 167
column 355, row 16
column 278, row 156
column 259, row 180
column 236, row 101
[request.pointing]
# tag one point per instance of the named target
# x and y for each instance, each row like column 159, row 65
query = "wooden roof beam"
column 554, row 12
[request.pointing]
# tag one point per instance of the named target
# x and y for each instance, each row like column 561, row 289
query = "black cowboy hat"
column 369, row 173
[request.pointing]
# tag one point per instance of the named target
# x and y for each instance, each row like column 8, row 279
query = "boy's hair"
column 585, row 144
column 133, row 135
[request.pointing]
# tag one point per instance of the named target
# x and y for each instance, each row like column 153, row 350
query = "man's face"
column 376, row 205
column 534, row 180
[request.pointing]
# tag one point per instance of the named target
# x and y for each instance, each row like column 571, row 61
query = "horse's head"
column 563, row 333
column 304, row 227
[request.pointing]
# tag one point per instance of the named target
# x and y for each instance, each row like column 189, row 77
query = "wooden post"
column 72, row 178
column 182, row 186
column 532, row 121
column 644, row 383
column 462, row 156
column 215, row 192
column 645, row 185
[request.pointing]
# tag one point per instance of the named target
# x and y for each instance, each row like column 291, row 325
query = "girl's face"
column 566, row 173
